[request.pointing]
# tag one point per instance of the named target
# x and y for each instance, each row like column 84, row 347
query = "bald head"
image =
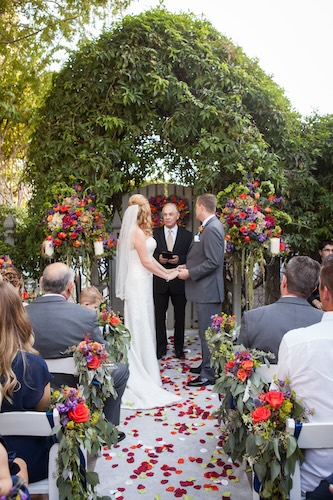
column 57, row 278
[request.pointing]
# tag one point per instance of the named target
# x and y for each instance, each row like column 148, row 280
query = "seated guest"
column 24, row 379
column 58, row 324
column 9, row 472
column 325, row 252
column 90, row 297
column 263, row 327
column 306, row 360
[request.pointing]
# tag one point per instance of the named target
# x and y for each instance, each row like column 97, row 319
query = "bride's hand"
column 172, row 274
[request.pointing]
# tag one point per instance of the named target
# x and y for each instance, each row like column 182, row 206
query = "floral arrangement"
column 80, row 428
column 115, row 333
column 270, row 450
column 74, row 224
column 252, row 214
column 19, row 490
column 5, row 261
column 237, row 381
column 158, row 202
column 94, row 372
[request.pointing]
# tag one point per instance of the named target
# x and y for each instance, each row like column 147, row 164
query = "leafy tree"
column 31, row 34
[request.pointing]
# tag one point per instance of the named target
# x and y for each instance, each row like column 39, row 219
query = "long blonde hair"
column 144, row 215
column 15, row 335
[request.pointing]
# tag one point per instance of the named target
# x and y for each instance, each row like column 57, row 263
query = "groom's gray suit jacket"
column 263, row 327
column 205, row 264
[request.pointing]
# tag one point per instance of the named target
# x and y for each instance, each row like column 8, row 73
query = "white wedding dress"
column 144, row 386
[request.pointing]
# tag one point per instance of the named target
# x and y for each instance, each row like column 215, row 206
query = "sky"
column 292, row 39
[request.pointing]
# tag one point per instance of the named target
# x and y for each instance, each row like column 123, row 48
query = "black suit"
column 174, row 289
column 57, row 325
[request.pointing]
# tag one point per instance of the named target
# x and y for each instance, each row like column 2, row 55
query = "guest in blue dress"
column 24, row 379
column 13, row 475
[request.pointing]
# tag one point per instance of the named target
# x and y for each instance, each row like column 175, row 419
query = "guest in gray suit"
column 204, row 278
column 264, row 327
column 59, row 324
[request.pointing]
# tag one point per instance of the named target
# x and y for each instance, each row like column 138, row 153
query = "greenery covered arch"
column 159, row 95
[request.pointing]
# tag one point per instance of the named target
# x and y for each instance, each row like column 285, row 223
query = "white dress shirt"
column 306, row 359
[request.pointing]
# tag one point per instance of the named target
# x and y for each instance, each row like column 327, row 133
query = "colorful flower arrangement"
column 94, row 372
column 237, row 381
column 158, row 202
column 5, row 261
column 252, row 214
column 74, row 224
column 115, row 333
column 270, row 449
column 80, row 428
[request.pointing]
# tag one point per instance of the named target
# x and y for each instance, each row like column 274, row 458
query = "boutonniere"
column 201, row 229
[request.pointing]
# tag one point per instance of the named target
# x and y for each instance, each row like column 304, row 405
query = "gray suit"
column 57, row 325
column 205, row 285
column 263, row 327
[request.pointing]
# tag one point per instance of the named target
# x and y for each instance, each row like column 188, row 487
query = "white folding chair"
column 34, row 423
column 267, row 372
column 312, row 435
column 61, row 365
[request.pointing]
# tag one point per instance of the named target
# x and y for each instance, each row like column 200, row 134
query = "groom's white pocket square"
column 196, row 238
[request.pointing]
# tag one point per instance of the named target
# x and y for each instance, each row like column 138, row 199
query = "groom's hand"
column 183, row 273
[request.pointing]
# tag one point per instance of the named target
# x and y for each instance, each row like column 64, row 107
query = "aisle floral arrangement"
column 94, row 372
column 80, row 428
column 270, row 450
column 115, row 333
column 158, row 202
column 74, row 224
column 237, row 381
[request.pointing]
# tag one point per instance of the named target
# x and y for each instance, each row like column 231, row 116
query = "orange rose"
column 79, row 414
column 271, row 197
column 62, row 235
column 247, row 364
column 77, row 244
column 94, row 363
column 247, row 238
column 257, row 195
column 243, row 196
column 260, row 414
column 241, row 374
column 274, row 398
column 114, row 320
column 57, row 242
column 252, row 226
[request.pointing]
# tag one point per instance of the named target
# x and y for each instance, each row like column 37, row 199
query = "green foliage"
column 160, row 94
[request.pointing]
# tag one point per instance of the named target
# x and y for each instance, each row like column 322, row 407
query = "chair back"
column 312, row 435
column 62, row 365
column 35, row 423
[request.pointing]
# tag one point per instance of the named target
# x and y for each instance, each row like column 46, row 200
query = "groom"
column 204, row 278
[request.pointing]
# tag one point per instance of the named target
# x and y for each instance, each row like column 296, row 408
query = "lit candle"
column 48, row 248
column 275, row 246
column 98, row 247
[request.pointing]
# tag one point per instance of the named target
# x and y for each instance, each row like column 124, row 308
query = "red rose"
column 260, row 414
column 114, row 320
column 252, row 226
column 80, row 413
column 274, row 398
column 57, row 242
column 243, row 196
column 247, row 239
column 94, row 363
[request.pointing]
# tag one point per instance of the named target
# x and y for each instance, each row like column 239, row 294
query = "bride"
column 134, row 274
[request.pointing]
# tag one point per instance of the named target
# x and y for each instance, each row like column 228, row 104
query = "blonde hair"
column 15, row 336
column 144, row 214
column 13, row 276
column 90, row 295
